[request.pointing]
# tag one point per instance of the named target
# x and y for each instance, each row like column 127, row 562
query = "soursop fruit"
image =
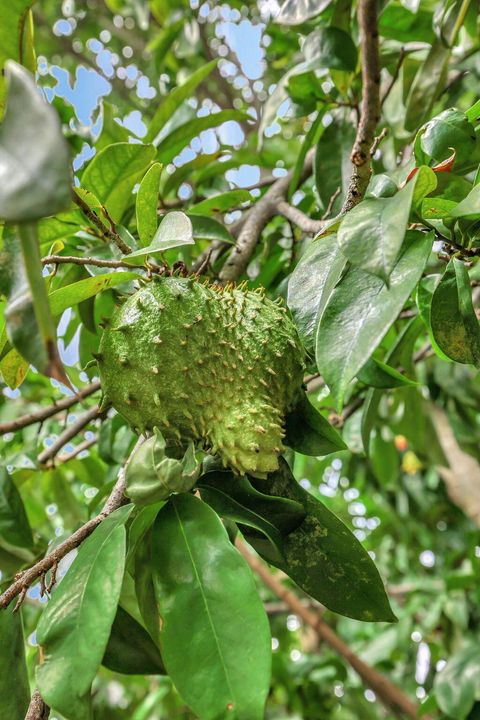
column 219, row 366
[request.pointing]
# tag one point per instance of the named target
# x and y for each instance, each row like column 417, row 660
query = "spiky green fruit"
column 219, row 366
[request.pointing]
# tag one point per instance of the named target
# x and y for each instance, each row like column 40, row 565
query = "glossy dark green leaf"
column 324, row 558
column 113, row 172
column 14, row 686
column 332, row 166
column 380, row 375
column 221, row 202
column 75, row 626
column 458, row 684
column 220, row 659
column 311, row 284
column 469, row 207
column 295, row 12
column 174, row 230
column 384, row 459
column 145, row 564
column 130, row 649
column 360, row 312
column 454, row 324
column 175, row 98
column 35, row 174
column 427, row 85
column 372, row 233
column 207, row 228
column 447, row 132
column 235, row 498
column 146, row 204
column 330, row 47
column 181, row 136
column 309, row 433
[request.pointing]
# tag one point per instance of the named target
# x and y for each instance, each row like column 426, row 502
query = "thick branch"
column 24, row 579
column 370, row 109
column 45, row 413
column 37, row 710
column 108, row 232
column 46, row 457
column 298, row 218
column 255, row 221
column 389, row 694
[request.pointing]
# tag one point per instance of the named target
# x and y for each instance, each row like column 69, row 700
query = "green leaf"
column 236, row 499
column 146, row 204
column 458, row 684
column 221, row 202
column 219, row 660
column 113, row 172
column 427, row 85
column 309, row 433
column 144, row 567
column 470, row 206
column 295, row 12
column 14, row 688
column 448, row 131
column 13, row 369
column 330, row 47
column 324, row 558
column 206, row 228
column 77, row 292
column 75, row 626
column 173, row 143
column 130, row 649
column 380, row 375
column 174, row 230
column 384, row 459
column 360, row 312
column 14, row 18
column 35, row 175
column 311, row 138
column 311, row 284
column 454, row 324
column 372, row 233
column 175, row 98
column 14, row 526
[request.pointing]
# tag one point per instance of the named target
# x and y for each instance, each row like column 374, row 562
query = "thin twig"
column 38, row 709
column 388, row 693
column 299, row 218
column 370, row 109
column 331, row 203
column 109, row 232
column 256, row 219
column 24, row 580
column 62, row 459
column 377, row 140
column 47, row 456
column 401, row 58
column 75, row 260
column 45, row 413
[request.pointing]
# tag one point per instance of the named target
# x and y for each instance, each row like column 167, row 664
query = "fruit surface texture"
column 219, row 366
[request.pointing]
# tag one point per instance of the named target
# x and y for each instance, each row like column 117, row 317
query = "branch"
column 24, row 579
column 389, row 694
column 75, row 260
column 47, row 456
column 255, row 221
column 45, row 413
column 109, row 232
column 62, row 459
column 298, row 218
column 37, row 710
column 370, row 109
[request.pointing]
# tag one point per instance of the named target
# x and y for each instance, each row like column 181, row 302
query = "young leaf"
column 175, row 98
column 309, row 433
column 174, row 230
column 146, row 204
column 360, row 312
column 130, row 649
column 311, row 284
column 14, row 526
column 14, row 689
column 112, row 174
column 372, row 233
column 220, row 659
column 75, row 626
column 454, row 324
column 35, row 174
column 324, row 558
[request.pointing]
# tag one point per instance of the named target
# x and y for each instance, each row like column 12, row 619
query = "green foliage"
column 190, row 130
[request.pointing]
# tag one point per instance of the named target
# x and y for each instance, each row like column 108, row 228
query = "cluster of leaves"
column 159, row 588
